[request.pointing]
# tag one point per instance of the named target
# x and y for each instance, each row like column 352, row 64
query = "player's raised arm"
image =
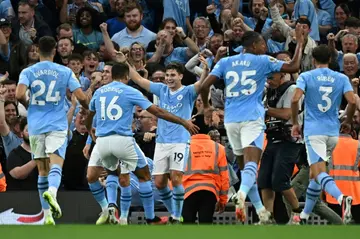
column 204, row 74
column 138, row 79
column 163, row 114
column 294, row 65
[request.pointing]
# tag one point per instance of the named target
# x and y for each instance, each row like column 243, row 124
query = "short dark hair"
column 304, row 21
column 275, row 55
column 66, row 38
column 76, row 57
column 131, row 6
column 25, row 2
column 352, row 22
column 46, row 45
column 249, row 38
column 175, row 66
column 322, row 54
column 23, row 123
column 8, row 82
column 120, row 71
column 64, row 26
column 87, row 53
column 110, row 63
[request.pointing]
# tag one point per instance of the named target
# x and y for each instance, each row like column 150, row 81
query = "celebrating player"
column 323, row 89
column 47, row 120
column 245, row 76
column 114, row 105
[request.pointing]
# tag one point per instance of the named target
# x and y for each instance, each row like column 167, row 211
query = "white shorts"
column 117, row 149
column 95, row 160
column 245, row 134
column 54, row 142
column 319, row 148
column 170, row 157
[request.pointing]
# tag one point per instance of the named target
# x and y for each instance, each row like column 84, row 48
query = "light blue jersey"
column 323, row 89
column 245, row 76
column 114, row 104
column 47, row 82
column 179, row 103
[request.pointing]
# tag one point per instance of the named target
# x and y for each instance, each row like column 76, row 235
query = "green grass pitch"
column 179, row 232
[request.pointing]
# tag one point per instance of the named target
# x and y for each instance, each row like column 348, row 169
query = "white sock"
column 261, row 210
column 46, row 212
column 53, row 191
column 340, row 198
column 105, row 209
column 303, row 215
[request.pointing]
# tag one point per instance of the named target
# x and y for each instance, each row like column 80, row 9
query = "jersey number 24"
column 49, row 95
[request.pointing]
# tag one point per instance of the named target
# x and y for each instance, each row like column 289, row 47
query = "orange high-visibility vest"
column 2, row 180
column 344, row 168
column 206, row 168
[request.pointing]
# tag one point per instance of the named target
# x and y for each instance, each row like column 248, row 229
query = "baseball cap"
column 4, row 22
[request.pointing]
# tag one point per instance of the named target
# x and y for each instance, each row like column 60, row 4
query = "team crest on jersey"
column 180, row 97
column 272, row 59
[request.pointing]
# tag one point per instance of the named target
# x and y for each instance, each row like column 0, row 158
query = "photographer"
column 282, row 151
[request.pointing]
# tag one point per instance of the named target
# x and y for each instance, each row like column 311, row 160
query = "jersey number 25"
column 245, row 81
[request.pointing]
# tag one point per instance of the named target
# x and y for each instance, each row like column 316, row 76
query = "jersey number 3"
column 113, row 111
column 49, row 95
column 326, row 91
column 244, row 81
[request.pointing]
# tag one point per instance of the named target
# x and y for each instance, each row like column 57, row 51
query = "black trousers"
column 202, row 203
column 277, row 165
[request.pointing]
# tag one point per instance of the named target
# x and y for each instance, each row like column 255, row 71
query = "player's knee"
column 160, row 181
column 124, row 180
column 240, row 161
column 143, row 174
column 92, row 174
column 176, row 178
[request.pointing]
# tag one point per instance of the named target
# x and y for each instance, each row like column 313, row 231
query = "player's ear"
column 54, row 52
column 181, row 76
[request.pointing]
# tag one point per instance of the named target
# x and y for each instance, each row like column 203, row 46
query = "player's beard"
column 26, row 140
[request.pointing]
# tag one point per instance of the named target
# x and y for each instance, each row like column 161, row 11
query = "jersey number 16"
column 113, row 111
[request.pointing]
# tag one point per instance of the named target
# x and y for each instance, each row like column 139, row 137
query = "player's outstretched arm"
column 138, row 79
column 205, row 89
column 82, row 98
column 20, row 94
column 163, row 114
column 294, row 65
column 351, row 107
